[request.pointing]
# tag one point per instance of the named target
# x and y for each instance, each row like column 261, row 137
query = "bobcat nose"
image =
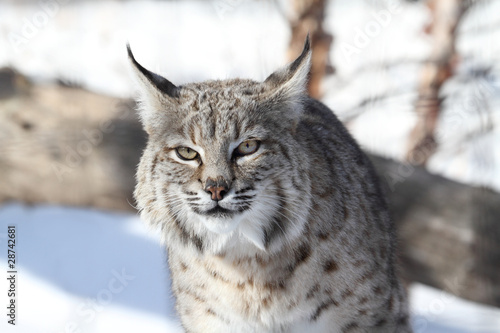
column 217, row 189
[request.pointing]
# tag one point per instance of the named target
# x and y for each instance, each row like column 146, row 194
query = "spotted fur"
column 301, row 240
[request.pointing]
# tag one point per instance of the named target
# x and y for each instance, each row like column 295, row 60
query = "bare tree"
column 308, row 17
column 446, row 15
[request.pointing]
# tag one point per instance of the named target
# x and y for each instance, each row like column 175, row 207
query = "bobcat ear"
column 156, row 93
column 291, row 81
column 151, row 80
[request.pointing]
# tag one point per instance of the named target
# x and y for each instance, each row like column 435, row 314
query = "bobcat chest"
column 230, row 302
column 240, row 290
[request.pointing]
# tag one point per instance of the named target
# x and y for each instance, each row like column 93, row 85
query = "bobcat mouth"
column 217, row 212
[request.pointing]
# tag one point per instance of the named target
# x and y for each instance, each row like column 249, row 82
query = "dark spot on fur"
column 184, row 267
column 322, row 307
column 217, row 276
column 347, row 293
column 313, row 291
column 349, row 327
column 153, row 165
column 301, row 255
column 26, row 125
column 266, row 302
column 237, row 103
column 359, row 263
column 346, row 213
column 330, row 266
column 367, row 276
column 198, row 243
column 323, row 236
column 195, row 105
column 187, row 238
column 292, row 305
column 275, row 285
column 390, row 303
column 260, row 260
column 194, row 295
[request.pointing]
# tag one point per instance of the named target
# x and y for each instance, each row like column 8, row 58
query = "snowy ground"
column 91, row 271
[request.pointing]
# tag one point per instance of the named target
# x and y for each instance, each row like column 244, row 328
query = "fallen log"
column 449, row 232
column 65, row 145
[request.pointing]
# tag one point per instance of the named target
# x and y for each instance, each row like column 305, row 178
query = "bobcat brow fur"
column 272, row 216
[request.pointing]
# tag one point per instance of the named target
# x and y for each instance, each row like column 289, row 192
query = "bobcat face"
column 222, row 165
column 218, row 161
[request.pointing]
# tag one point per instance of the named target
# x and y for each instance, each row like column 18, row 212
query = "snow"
column 87, row 271
column 440, row 312
column 83, row 270
column 90, row 41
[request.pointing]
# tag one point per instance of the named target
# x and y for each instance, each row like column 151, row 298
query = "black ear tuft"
column 156, row 80
column 305, row 52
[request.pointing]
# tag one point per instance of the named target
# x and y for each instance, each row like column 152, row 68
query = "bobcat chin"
column 272, row 216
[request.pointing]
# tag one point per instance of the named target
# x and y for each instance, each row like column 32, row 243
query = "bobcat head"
column 224, row 167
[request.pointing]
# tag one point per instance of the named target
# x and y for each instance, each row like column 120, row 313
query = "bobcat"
column 272, row 216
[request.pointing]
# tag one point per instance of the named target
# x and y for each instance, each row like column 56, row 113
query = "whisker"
column 277, row 205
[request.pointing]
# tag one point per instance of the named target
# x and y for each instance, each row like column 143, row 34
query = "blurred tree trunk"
column 446, row 15
column 308, row 18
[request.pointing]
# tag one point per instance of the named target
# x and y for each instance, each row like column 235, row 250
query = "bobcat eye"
column 186, row 153
column 247, row 148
